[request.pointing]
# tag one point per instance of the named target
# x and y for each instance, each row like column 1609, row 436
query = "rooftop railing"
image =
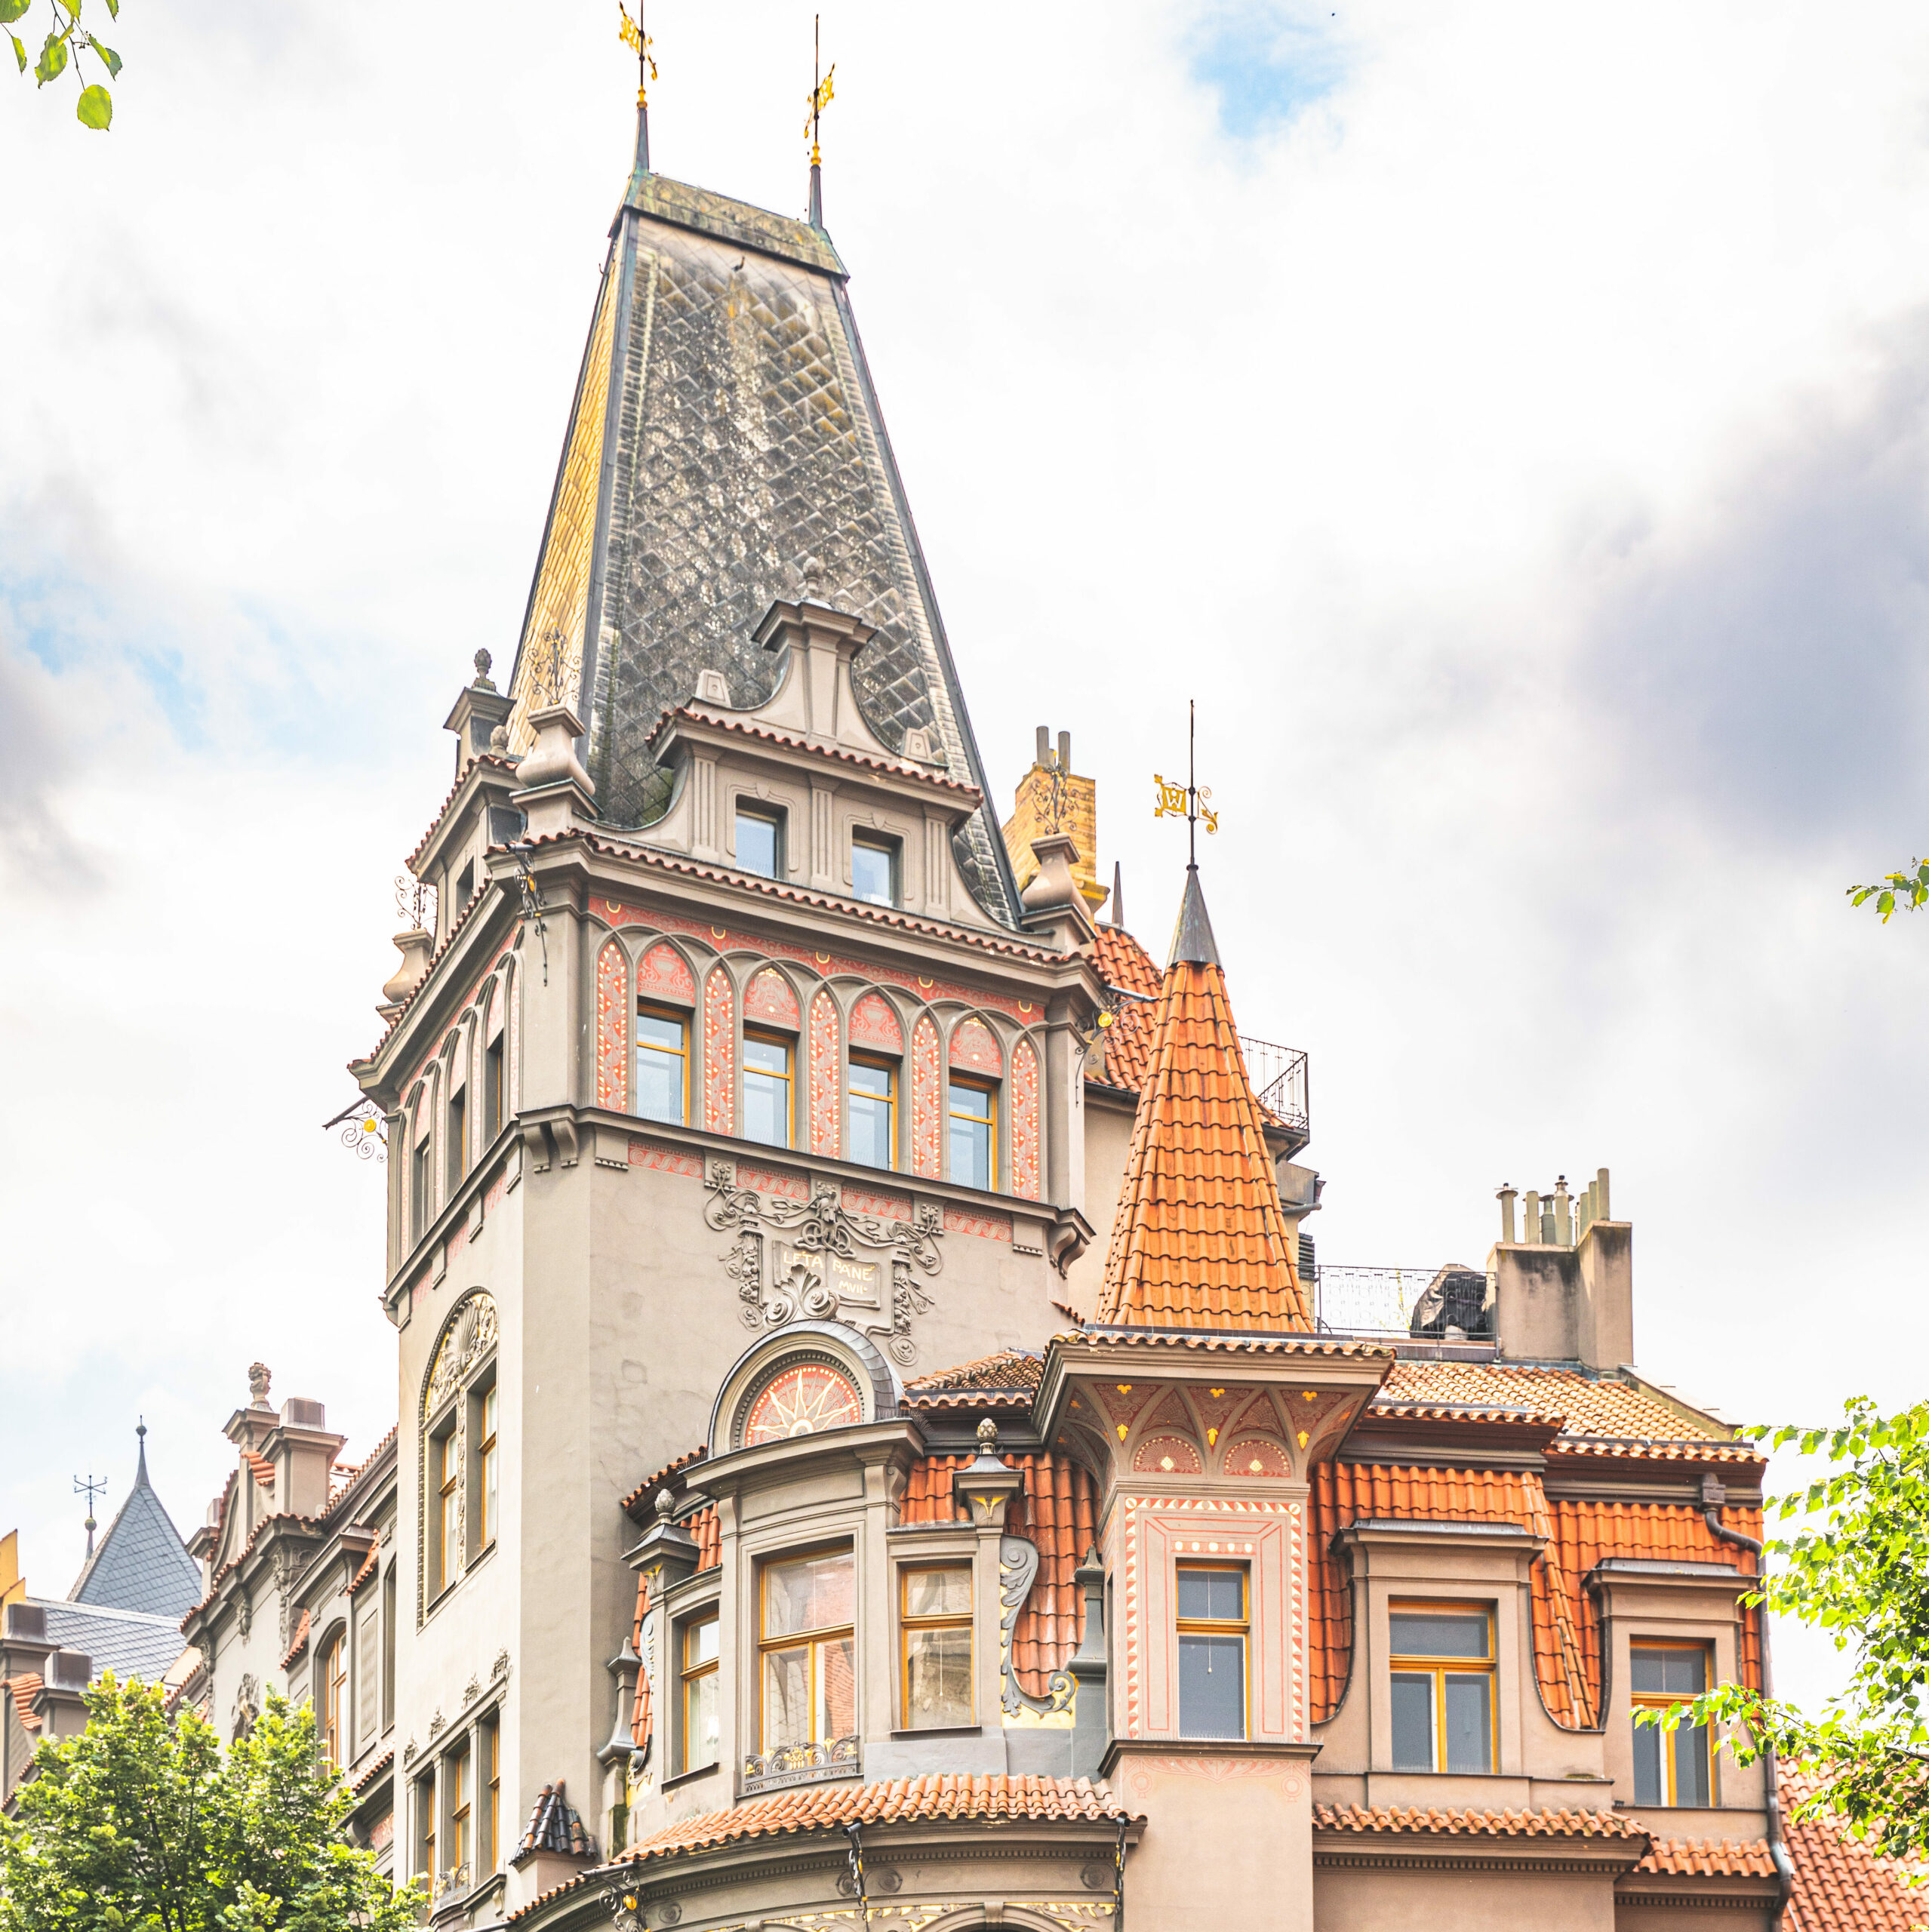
column 1278, row 1075
column 1374, row 1301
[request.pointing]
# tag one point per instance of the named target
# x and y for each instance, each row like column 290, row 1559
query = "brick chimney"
column 1051, row 801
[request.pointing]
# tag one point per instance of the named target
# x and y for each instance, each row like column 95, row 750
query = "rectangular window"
column 388, row 1646
column 767, row 1114
column 445, row 1473
column 1671, row 1766
column 934, row 1611
column 334, row 1702
column 973, row 1110
column 418, row 1192
column 1443, row 1706
column 488, row 1825
column 662, row 1065
column 760, row 843
column 367, row 1678
column 699, row 1670
column 807, row 1658
column 458, row 1137
column 459, row 1772
column 424, row 1828
column 466, row 885
column 872, row 1093
column 488, row 1499
column 1212, row 1620
column 873, row 869
column 494, row 1093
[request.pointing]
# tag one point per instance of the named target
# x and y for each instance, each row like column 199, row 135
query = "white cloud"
column 1517, row 448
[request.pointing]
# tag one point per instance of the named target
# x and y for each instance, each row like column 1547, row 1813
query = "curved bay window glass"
column 1443, row 1707
column 1213, row 1621
column 807, row 1659
column 768, row 1111
column 1671, row 1766
column 973, row 1105
column 934, row 1611
column 801, row 1401
column 872, row 1089
column 662, row 1065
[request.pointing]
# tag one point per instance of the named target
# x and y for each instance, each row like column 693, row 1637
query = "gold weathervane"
column 822, row 93
column 1190, row 800
column 630, row 33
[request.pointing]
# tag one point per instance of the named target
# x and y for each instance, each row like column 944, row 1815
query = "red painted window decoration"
column 661, row 973
column 768, row 999
column 823, row 1073
column 1257, row 1456
column 1024, row 1121
column 874, row 1025
column 719, row 1054
column 612, row 1027
column 802, row 1401
column 973, row 1046
column 1166, row 1455
column 927, row 1100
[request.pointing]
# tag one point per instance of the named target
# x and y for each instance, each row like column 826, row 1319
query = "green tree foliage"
column 141, row 1823
column 1857, row 1568
column 66, row 41
column 1899, row 892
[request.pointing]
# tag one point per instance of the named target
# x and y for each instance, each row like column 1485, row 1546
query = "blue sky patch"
column 1267, row 63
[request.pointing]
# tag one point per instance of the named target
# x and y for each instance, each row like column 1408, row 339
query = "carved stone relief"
column 815, row 1261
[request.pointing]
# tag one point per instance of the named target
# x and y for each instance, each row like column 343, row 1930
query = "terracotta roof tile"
column 645, row 1491
column 1709, row 1858
column 1562, row 1824
column 1603, row 1407
column 24, row 1689
column 1056, row 1512
column 264, row 1470
column 300, row 1643
column 745, row 728
column 370, row 1563
column 640, row 1714
column 1009, row 1369
column 1123, row 963
column 374, row 1771
column 351, row 1474
column 1200, row 1240
column 1232, row 1345
column 1840, row 1884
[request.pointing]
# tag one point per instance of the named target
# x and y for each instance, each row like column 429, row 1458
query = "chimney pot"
column 1045, row 746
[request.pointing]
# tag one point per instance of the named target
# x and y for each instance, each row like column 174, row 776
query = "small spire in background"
column 822, row 94
column 87, row 1486
column 633, row 34
column 140, row 1469
column 1118, row 896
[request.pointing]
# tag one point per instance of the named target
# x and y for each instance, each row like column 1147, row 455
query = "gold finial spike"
column 1191, row 800
column 634, row 34
column 822, row 92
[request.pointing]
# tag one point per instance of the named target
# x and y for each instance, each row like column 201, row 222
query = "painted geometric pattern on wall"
column 1024, row 1121
column 927, row 1101
column 874, row 1025
column 662, row 974
column 823, row 1073
column 972, row 1046
column 719, row 1053
column 768, row 997
column 612, row 1027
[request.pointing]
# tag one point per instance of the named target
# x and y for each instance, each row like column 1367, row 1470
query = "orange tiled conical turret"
column 1200, row 1242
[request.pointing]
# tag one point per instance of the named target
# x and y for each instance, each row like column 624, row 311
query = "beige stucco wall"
column 1359, row 1900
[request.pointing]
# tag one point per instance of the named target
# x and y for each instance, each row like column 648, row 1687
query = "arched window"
column 334, row 1700
column 461, row 1446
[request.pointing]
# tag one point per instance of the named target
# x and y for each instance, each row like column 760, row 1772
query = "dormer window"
column 874, row 869
column 1443, row 1704
column 760, row 842
column 1671, row 1766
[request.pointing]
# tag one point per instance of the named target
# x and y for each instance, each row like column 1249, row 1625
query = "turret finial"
column 823, row 93
column 633, row 34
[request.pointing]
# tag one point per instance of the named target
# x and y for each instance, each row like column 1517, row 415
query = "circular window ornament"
column 802, row 1400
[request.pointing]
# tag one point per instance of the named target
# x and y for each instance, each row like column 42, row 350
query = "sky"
column 1509, row 424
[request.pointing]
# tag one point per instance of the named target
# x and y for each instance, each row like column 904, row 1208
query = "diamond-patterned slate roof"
column 747, row 438
column 1200, row 1240
column 1840, row 1885
column 130, row 1643
column 141, row 1563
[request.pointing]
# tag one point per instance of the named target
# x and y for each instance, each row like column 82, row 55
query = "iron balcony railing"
column 1278, row 1075
column 1374, row 1301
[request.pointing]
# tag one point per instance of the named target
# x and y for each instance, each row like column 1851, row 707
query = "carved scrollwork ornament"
column 1018, row 1569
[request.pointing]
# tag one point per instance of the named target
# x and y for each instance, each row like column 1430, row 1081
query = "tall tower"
column 728, row 1017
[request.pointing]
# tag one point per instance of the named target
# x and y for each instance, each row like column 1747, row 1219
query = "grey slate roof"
column 141, row 1563
column 724, row 430
column 125, row 1641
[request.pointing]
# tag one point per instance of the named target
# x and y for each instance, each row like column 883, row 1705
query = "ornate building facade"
column 873, row 1448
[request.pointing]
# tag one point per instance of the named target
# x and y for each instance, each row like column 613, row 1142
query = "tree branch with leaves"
column 1857, row 1568
column 1899, row 892
column 66, row 41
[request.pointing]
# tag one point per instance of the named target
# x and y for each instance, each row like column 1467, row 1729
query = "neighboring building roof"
column 1200, row 1240
column 723, row 357
column 23, row 1689
column 1123, row 962
column 1841, row 1884
column 1010, row 1370
column 130, row 1643
column 141, row 1563
column 1589, row 1406
column 1709, row 1858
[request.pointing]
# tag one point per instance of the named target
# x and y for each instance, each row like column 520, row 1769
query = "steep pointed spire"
column 1200, row 1240
column 140, row 1470
column 141, row 1563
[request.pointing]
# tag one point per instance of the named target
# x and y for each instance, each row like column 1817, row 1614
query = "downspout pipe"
column 1713, row 1496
